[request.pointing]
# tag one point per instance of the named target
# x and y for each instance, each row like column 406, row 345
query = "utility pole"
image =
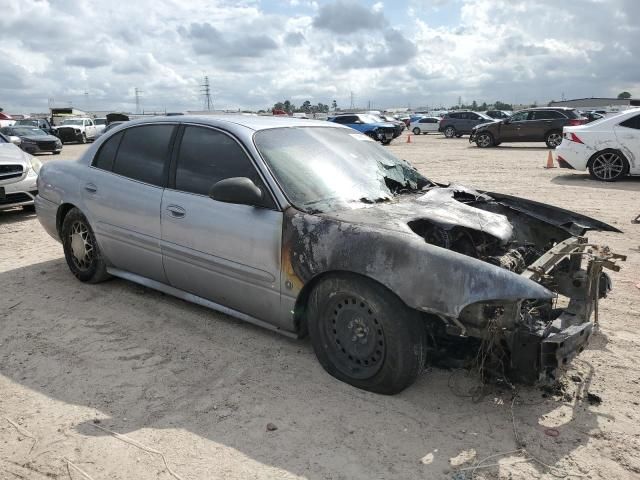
column 351, row 102
column 86, row 100
column 137, row 93
column 206, row 93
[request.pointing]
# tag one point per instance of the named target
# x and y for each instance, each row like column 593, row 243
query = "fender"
column 424, row 276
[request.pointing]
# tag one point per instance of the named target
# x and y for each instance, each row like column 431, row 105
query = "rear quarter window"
column 633, row 122
column 106, row 156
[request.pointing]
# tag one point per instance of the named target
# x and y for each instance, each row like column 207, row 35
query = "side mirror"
column 240, row 190
column 506, row 121
column 15, row 140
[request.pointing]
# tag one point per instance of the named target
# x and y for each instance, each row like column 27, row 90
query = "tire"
column 372, row 136
column 385, row 142
column 56, row 153
column 365, row 336
column 553, row 138
column 78, row 239
column 416, row 131
column 495, row 144
column 484, row 140
column 83, row 139
column 449, row 132
column 458, row 135
column 608, row 166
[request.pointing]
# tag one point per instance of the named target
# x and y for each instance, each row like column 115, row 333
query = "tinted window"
column 456, row 115
column 473, row 116
column 546, row 115
column 107, row 154
column 143, row 153
column 207, row 156
column 346, row 119
column 633, row 122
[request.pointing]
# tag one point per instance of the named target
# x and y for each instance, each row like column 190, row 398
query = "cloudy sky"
column 391, row 53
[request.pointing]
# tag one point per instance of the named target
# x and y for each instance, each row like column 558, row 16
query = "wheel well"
column 62, row 212
column 300, row 308
column 615, row 150
column 548, row 132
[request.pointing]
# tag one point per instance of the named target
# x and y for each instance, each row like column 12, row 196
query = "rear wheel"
column 553, row 139
column 364, row 335
column 416, row 131
column 449, row 132
column 81, row 250
column 484, row 140
column 608, row 166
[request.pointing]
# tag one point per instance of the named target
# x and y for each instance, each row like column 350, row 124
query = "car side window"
column 144, row 152
column 207, row 156
column 520, row 116
column 546, row 115
column 633, row 122
column 106, row 156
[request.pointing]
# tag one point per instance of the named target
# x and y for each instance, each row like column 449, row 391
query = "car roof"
column 253, row 122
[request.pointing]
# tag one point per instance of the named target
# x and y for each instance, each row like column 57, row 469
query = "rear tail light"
column 572, row 137
column 574, row 122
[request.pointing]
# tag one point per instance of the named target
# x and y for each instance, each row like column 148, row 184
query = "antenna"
column 137, row 93
column 206, row 93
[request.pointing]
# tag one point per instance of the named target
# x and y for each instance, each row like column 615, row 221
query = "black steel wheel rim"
column 355, row 337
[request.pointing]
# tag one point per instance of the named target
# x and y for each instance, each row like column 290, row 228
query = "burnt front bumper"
column 573, row 269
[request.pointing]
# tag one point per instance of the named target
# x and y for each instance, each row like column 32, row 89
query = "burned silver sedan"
column 311, row 228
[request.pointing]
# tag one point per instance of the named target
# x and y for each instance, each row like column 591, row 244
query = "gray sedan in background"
column 310, row 227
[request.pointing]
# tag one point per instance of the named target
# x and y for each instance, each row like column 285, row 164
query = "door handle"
column 176, row 211
column 91, row 188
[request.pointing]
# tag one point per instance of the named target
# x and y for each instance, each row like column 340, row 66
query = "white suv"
column 77, row 130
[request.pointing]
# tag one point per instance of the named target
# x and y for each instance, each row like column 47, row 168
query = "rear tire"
column 553, row 138
column 364, row 335
column 81, row 250
column 449, row 132
column 608, row 166
column 416, row 131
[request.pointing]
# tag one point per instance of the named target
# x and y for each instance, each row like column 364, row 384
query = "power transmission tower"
column 206, row 93
column 137, row 93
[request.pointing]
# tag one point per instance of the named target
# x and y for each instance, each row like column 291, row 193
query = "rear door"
column 628, row 134
column 122, row 195
column 542, row 122
column 226, row 253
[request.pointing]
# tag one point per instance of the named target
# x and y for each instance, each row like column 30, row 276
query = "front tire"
column 553, row 138
column 83, row 139
column 416, row 131
column 484, row 140
column 364, row 335
column 449, row 132
column 608, row 166
column 81, row 250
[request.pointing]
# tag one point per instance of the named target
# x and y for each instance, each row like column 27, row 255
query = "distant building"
column 597, row 103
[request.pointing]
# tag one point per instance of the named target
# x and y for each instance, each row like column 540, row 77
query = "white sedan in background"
column 425, row 125
column 609, row 148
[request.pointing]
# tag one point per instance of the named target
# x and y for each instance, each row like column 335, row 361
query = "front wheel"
column 81, row 250
column 83, row 139
column 416, row 131
column 608, row 166
column 385, row 142
column 362, row 334
column 484, row 140
column 553, row 139
column 449, row 132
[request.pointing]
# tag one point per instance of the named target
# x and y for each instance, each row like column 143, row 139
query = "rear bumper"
column 47, row 214
column 574, row 155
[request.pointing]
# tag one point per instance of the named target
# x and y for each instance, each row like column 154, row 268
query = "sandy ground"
column 201, row 387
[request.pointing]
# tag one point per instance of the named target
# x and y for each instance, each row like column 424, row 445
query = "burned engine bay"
column 511, row 281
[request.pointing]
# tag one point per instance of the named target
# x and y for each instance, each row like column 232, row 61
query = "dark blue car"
column 383, row 132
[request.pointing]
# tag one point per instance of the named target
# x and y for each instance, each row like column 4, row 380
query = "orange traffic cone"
column 550, row 161
column 409, row 138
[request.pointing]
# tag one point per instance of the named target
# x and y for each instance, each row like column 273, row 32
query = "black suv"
column 530, row 125
column 456, row 124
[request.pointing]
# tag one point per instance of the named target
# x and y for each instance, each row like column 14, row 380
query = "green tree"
column 289, row 107
column 502, row 106
column 484, row 106
column 474, row 105
column 334, row 105
column 306, row 106
column 279, row 106
column 624, row 95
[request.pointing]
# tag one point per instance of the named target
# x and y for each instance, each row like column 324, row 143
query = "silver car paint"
column 238, row 267
column 10, row 154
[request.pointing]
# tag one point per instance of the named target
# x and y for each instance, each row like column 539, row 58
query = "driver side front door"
column 226, row 253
